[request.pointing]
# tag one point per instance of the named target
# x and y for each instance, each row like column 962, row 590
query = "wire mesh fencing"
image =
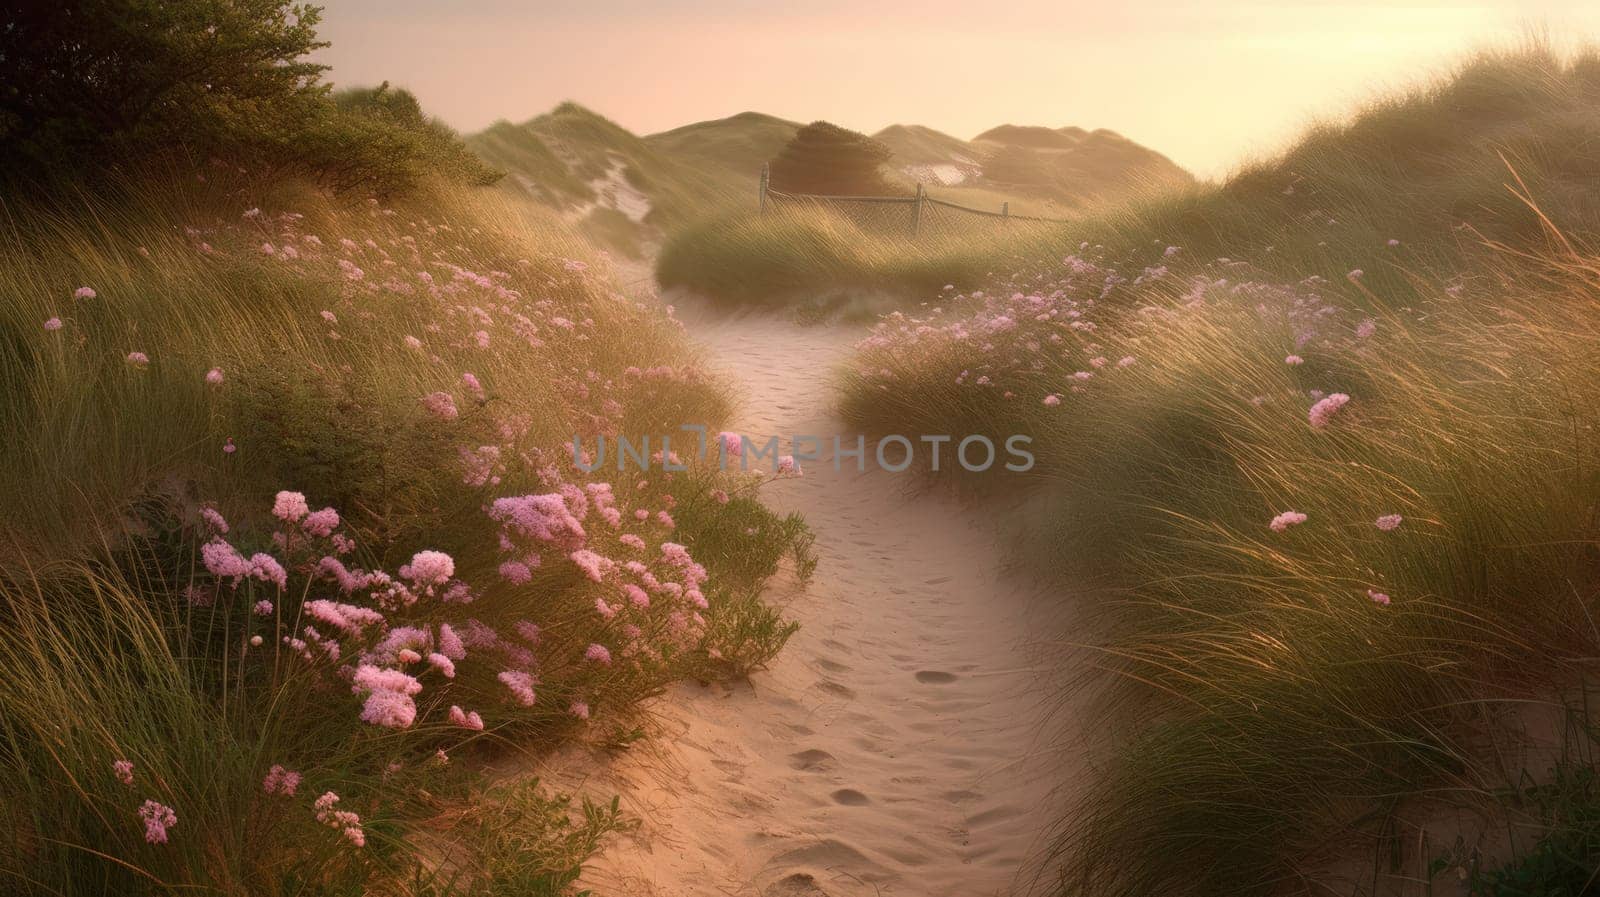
column 916, row 215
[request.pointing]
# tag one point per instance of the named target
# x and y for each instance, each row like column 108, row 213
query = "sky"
column 1210, row 84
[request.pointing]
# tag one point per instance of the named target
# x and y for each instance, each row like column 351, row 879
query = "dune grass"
column 817, row 263
column 190, row 369
column 1414, row 167
column 1330, row 497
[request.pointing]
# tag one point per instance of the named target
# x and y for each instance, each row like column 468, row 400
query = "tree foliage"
column 92, row 85
column 827, row 159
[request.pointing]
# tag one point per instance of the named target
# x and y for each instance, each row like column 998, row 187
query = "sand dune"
column 894, row 746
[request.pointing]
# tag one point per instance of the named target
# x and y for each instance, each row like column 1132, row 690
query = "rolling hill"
column 627, row 190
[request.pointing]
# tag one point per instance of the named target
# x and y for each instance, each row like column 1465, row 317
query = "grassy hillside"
column 184, row 373
column 626, row 191
column 1073, row 166
column 1315, row 446
column 919, row 145
column 295, row 547
column 1428, row 170
column 736, row 146
column 617, row 187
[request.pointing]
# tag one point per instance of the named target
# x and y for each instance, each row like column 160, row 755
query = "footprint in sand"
column 850, row 797
column 800, row 884
column 814, row 760
column 935, row 677
column 834, row 688
column 832, row 666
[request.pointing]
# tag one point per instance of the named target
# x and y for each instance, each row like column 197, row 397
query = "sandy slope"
column 893, row 748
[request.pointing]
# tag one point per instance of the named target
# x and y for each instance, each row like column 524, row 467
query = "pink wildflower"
column 214, row 519
column 1324, row 410
column 1052, row 400
column 281, row 781
column 1285, row 520
column 83, row 293
column 521, row 686
column 350, row 619
column 347, row 823
column 598, row 653
column 290, row 507
column 138, row 359
column 390, row 709
column 466, row 720
column 1388, row 522
column 266, row 568
column 441, row 405
column 1293, row 360
column 515, row 572
column 579, row 709
column 593, row 565
column 124, row 771
column 788, row 466
column 450, row 644
column 224, row 561
column 1378, row 597
column 53, row 324
column 443, row 664
column 546, row 518
column 429, row 568
column 321, row 523
column 157, row 818
column 214, row 376
column 731, row 443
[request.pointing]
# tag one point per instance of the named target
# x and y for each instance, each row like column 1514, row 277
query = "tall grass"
column 1413, row 167
column 1287, row 694
column 817, row 263
column 167, row 600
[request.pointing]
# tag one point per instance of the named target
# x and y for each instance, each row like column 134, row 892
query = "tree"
column 96, row 84
column 379, row 139
column 827, row 159
column 94, row 81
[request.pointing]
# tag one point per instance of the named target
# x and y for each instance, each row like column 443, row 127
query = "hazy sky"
column 1207, row 83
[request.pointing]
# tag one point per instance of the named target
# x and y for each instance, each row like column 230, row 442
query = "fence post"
column 764, row 176
column 916, row 212
column 1005, row 212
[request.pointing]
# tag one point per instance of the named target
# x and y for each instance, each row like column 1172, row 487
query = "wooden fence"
column 916, row 214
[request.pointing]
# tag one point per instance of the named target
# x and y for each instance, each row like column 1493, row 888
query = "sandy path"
column 892, row 748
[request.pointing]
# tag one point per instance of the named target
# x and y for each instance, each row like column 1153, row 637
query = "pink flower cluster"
column 280, row 781
column 158, row 817
column 347, row 823
column 1285, row 520
column 1322, row 412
